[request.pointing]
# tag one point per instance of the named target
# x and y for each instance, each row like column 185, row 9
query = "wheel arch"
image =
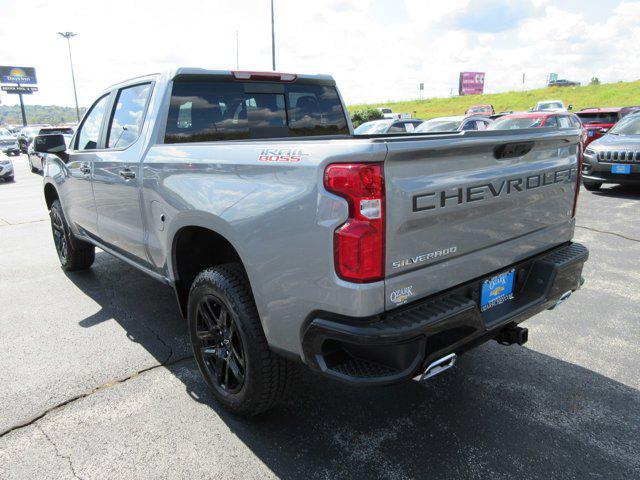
column 193, row 249
column 50, row 194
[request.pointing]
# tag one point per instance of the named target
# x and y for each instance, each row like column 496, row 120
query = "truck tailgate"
column 464, row 205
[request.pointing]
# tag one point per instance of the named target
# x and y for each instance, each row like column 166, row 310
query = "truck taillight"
column 578, row 182
column 359, row 242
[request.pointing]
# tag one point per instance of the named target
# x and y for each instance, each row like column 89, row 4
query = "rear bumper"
column 607, row 177
column 399, row 344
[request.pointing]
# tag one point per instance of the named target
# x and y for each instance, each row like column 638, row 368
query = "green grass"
column 605, row 95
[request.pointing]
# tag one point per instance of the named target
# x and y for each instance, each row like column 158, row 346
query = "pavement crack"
column 75, row 398
column 163, row 342
column 7, row 223
column 632, row 239
column 58, row 454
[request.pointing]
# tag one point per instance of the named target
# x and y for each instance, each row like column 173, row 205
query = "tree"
column 594, row 81
column 365, row 114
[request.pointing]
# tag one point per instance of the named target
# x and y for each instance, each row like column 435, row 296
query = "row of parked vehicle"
column 612, row 159
column 14, row 140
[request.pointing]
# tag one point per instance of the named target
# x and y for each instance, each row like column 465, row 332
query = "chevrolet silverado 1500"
column 372, row 259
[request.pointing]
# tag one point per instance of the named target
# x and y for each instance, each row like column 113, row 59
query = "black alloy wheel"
column 73, row 253
column 220, row 345
column 59, row 235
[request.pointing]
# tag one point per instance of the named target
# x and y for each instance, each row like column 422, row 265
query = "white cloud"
column 376, row 49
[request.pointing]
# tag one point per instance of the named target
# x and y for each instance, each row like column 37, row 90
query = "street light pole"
column 69, row 36
column 273, row 40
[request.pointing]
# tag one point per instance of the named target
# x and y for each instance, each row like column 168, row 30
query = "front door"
column 117, row 175
column 80, row 207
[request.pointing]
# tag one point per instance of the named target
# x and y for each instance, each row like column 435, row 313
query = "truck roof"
column 238, row 74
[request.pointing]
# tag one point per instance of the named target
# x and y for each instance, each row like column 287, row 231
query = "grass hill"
column 53, row 114
column 605, row 95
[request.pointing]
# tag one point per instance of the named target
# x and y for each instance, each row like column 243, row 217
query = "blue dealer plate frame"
column 623, row 169
column 497, row 290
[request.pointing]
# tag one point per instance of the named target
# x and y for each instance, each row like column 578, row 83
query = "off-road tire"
column 268, row 377
column 74, row 254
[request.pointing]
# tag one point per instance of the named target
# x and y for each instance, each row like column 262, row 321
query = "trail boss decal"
column 281, row 155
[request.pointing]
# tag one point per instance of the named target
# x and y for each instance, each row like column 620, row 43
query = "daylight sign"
column 471, row 83
column 20, row 75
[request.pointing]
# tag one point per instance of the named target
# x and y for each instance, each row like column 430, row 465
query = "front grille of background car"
column 616, row 156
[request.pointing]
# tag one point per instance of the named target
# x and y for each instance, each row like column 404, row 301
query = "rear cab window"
column 204, row 110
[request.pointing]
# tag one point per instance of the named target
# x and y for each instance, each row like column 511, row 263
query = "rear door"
column 116, row 173
column 462, row 205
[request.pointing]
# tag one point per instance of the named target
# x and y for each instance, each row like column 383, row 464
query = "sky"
column 377, row 50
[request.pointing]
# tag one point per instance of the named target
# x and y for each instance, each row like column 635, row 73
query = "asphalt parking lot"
column 98, row 382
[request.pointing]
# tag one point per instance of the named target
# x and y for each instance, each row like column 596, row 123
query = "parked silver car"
column 377, row 127
column 8, row 143
column 6, row 169
column 454, row 124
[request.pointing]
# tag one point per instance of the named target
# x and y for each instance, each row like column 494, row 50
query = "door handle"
column 127, row 174
column 85, row 168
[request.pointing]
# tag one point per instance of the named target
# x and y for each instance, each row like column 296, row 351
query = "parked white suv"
column 550, row 105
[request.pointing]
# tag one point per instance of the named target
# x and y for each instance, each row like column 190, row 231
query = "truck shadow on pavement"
column 507, row 412
column 626, row 192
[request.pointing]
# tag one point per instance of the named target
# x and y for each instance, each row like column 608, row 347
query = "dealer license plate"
column 624, row 169
column 497, row 290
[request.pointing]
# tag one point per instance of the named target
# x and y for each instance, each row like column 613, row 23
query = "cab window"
column 128, row 115
column 89, row 133
column 203, row 110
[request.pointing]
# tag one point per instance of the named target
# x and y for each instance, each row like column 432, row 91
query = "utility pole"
column 273, row 40
column 24, row 115
column 69, row 36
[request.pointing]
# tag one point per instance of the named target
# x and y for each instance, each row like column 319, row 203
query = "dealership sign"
column 20, row 75
column 15, row 89
column 471, row 83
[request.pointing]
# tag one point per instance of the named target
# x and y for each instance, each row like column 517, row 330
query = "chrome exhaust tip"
column 563, row 298
column 437, row 367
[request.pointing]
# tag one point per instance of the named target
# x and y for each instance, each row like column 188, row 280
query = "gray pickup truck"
column 287, row 239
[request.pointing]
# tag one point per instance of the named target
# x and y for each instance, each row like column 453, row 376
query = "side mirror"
column 49, row 144
column 570, row 107
column 532, row 109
